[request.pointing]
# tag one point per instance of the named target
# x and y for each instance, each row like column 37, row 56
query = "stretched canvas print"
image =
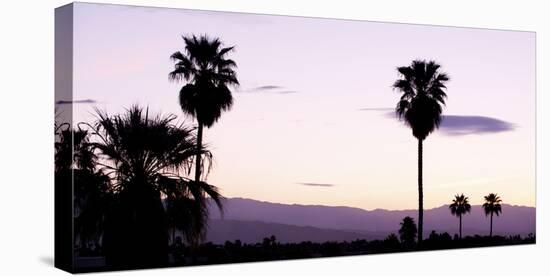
column 188, row 137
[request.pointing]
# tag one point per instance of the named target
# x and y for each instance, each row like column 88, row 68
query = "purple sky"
column 314, row 100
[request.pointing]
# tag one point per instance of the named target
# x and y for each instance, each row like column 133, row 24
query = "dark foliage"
column 269, row 249
column 75, row 164
column 236, row 251
column 407, row 232
column 146, row 158
column 130, row 187
column 422, row 96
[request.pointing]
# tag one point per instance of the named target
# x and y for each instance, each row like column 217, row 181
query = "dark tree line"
column 271, row 249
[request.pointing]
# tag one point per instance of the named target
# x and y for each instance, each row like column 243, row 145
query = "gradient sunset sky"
column 312, row 120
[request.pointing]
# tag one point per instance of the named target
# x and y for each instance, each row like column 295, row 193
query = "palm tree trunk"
column 460, row 226
column 491, row 228
column 420, row 194
column 198, row 156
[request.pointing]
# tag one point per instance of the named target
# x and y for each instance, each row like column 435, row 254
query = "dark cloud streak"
column 315, row 184
column 270, row 89
column 456, row 125
column 267, row 87
column 86, row 101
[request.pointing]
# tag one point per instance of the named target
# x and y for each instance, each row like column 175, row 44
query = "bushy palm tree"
column 420, row 105
column 186, row 209
column 459, row 207
column 408, row 231
column 209, row 74
column 72, row 149
column 147, row 158
column 492, row 206
column 75, row 162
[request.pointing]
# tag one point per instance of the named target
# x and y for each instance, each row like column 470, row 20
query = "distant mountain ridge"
column 220, row 231
column 248, row 215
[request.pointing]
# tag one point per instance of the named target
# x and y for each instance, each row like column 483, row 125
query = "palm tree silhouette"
column 420, row 106
column 492, row 206
column 147, row 158
column 187, row 211
column 209, row 74
column 75, row 162
column 408, row 231
column 459, row 207
column 72, row 148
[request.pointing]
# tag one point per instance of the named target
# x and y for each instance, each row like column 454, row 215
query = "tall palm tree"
column 147, row 158
column 208, row 74
column 492, row 206
column 459, row 207
column 420, row 105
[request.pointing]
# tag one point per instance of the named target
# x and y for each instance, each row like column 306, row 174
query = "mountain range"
column 251, row 220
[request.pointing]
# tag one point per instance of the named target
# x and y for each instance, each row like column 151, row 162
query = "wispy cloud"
column 459, row 125
column 86, row 101
column 315, row 184
column 287, row 92
column 267, row 87
column 270, row 89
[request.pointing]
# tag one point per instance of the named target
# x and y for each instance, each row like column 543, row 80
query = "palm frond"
column 422, row 87
column 492, row 204
column 460, row 205
column 209, row 74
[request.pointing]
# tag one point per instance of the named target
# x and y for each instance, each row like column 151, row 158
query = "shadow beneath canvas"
column 47, row 260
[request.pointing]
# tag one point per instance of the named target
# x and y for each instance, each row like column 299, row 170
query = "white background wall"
column 26, row 152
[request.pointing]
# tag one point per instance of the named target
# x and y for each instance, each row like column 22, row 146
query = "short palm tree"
column 209, row 74
column 492, row 206
column 459, row 207
column 147, row 158
column 408, row 231
column 420, row 105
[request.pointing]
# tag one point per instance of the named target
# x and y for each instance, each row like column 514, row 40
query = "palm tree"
column 75, row 165
column 72, row 149
column 187, row 211
column 408, row 231
column 420, row 106
column 147, row 158
column 492, row 206
column 459, row 207
column 208, row 75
